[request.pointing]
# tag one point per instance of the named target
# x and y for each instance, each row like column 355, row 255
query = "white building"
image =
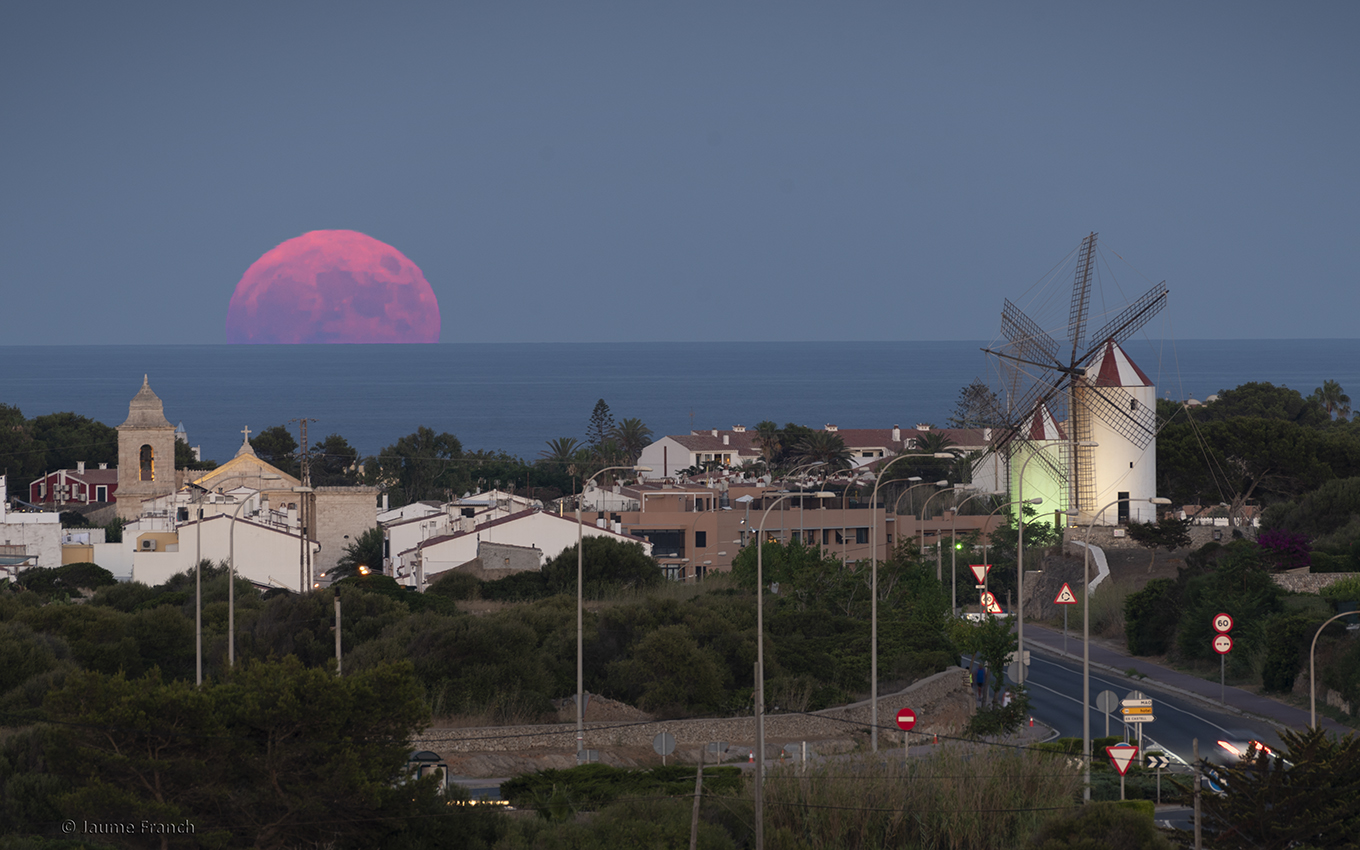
column 546, row 532
column 407, row 527
column 27, row 539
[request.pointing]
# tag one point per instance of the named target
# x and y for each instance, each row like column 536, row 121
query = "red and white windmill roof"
column 1113, row 368
column 1042, row 425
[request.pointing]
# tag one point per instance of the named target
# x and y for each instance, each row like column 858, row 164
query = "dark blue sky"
column 683, row 171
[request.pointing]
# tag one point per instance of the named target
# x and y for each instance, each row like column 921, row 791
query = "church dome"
column 146, row 410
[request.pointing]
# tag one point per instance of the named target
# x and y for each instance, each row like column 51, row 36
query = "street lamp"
column 873, row 594
column 1020, row 555
column 1312, row 671
column 231, row 575
column 939, row 558
column 1086, row 635
column 580, row 610
column 954, row 542
column 760, row 660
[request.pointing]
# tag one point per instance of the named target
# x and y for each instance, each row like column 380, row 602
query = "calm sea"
column 516, row 397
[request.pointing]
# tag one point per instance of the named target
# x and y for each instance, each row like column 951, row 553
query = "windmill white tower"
column 1091, row 391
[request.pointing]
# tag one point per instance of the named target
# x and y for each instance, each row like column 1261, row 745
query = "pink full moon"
column 331, row 286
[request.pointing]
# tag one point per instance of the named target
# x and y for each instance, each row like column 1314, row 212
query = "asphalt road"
column 1055, row 697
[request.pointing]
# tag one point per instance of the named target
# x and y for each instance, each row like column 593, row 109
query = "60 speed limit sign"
column 1223, row 623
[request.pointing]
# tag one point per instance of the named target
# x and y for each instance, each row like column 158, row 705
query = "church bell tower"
column 146, row 453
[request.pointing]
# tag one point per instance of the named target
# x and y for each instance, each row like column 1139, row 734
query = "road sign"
column 664, row 744
column 1129, row 710
column 1133, row 702
column 1121, row 756
column 587, row 756
column 1138, row 718
column 1107, row 701
column 1223, row 623
column 906, row 718
column 988, row 599
column 1065, row 596
column 1156, row 761
column 980, row 571
column 993, row 607
column 1222, row 644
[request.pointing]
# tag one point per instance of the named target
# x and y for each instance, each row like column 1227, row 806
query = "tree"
column 823, row 447
column 71, row 438
column 1167, row 533
column 422, row 465
column 608, row 563
column 277, row 447
column 1264, row 400
column 1301, row 797
column 366, row 551
column 1333, row 399
column 334, row 463
column 601, row 424
column 977, row 407
column 22, row 457
column 633, row 436
column 184, row 457
column 767, row 437
column 1097, row 826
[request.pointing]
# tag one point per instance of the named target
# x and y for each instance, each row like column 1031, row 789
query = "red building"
column 79, row 486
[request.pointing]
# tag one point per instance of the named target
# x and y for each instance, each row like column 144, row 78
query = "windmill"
column 1087, row 383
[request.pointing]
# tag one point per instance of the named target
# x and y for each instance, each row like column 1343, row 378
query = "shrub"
column 1150, row 617
column 456, row 585
column 1345, row 590
column 1284, row 550
column 1099, row 826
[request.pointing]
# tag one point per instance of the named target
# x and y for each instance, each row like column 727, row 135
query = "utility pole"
column 305, row 508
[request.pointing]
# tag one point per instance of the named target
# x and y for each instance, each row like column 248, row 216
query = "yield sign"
column 1065, row 596
column 980, row 571
column 1121, row 756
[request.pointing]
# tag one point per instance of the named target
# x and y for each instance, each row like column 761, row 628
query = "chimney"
column 740, row 429
column 725, row 440
column 986, row 435
column 103, row 466
column 897, row 434
column 80, row 467
column 922, row 426
column 715, row 432
column 831, row 427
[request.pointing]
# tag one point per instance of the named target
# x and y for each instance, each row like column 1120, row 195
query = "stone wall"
column 943, row 703
column 1302, row 581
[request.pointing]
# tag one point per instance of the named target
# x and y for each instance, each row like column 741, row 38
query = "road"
column 1055, row 695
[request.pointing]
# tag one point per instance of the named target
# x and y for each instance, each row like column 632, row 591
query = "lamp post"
column 1086, row 636
column 231, row 573
column 939, row 558
column 580, row 610
column 873, row 593
column 760, row 661
column 954, row 543
column 1312, row 670
column 1020, row 554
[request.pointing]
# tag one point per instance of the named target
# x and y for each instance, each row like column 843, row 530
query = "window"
column 861, row 536
column 148, row 461
column 700, row 539
column 826, row 537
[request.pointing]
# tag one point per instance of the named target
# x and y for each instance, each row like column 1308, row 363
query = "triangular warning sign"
column 980, row 572
column 994, row 608
column 1121, row 756
column 1065, row 596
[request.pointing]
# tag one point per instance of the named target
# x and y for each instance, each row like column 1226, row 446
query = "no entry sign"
column 906, row 718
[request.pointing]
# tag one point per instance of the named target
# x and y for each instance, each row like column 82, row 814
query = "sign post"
column 1137, row 709
column 1121, row 756
column 1107, row 701
column 980, row 573
column 1223, row 624
column 1158, row 762
column 1064, row 598
column 906, row 719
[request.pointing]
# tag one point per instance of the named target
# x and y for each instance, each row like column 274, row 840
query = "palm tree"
column 933, row 442
column 824, row 447
column 767, row 437
column 561, row 450
column 632, row 436
column 1333, row 400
